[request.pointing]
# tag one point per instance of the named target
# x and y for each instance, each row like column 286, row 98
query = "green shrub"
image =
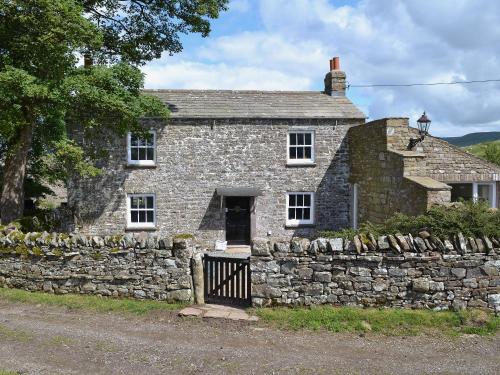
column 472, row 219
column 347, row 233
column 184, row 236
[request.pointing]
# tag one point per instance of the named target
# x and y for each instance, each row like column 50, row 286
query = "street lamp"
column 423, row 124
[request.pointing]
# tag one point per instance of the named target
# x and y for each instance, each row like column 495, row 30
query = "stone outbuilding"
column 239, row 165
column 387, row 177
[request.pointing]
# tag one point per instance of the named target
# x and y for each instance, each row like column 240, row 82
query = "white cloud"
column 192, row 75
column 390, row 41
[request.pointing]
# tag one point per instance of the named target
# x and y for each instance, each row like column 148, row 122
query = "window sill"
column 292, row 164
column 295, row 226
column 138, row 229
column 140, row 166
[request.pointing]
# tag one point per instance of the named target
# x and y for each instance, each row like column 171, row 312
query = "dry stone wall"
column 393, row 271
column 138, row 266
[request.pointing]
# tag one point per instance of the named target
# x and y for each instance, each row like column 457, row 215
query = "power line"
column 425, row 84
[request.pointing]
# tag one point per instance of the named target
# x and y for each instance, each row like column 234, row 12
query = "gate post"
column 197, row 269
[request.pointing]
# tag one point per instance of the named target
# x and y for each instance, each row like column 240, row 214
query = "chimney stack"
column 335, row 80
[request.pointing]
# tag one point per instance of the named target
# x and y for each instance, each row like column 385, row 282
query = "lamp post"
column 423, row 124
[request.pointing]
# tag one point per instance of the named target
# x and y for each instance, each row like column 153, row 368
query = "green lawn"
column 400, row 322
column 5, row 372
column 84, row 302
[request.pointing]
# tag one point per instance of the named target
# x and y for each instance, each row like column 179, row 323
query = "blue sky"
column 286, row 45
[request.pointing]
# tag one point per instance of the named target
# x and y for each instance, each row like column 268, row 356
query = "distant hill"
column 473, row 138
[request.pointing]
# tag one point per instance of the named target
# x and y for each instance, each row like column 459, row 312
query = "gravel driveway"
column 46, row 340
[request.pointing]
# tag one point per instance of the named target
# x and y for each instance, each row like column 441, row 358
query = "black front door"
column 238, row 220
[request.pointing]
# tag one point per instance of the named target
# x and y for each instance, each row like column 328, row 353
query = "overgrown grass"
column 398, row 322
column 92, row 303
column 5, row 372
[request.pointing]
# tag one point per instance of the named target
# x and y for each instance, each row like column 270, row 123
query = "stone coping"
column 428, row 183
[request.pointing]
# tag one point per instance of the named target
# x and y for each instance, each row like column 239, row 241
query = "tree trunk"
column 12, row 199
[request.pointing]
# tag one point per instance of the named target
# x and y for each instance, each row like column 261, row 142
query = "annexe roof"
column 256, row 104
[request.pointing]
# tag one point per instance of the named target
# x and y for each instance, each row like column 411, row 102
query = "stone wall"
column 393, row 271
column 139, row 266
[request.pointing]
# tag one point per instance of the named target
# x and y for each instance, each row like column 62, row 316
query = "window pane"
column 300, row 200
column 300, row 139
column 141, row 202
column 291, row 213
column 298, row 213
column 149, row 141
column 484, row 193
column 300, row 153
column 291, row 200
column 142, row 154
column 307, row 200
column 134, row 217
column 293, row 153
column 142, row 216
column 307, row 213
column 293, row 139
column 134, row 154
column 133, row 140
column 134, row 202
column 149, row 153
column 308, row 138
column 149, row 202
column 307, row 152
column 150, row 216
column 461, row 191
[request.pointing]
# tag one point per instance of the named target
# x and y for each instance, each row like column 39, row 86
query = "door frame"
column 253, row 221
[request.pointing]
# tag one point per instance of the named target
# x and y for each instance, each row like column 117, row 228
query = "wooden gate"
column 227, row 280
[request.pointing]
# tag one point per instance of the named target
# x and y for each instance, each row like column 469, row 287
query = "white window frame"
column 134, row 225
column 475, row 190
column 140, row 162
column 297, row 222
column 288, row 145
column 493, row 192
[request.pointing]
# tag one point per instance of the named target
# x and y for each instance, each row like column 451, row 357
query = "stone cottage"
column 238, row 165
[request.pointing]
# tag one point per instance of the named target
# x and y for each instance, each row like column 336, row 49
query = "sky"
column 287, row 45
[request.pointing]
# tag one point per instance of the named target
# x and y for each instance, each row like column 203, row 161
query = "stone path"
column 218, row 312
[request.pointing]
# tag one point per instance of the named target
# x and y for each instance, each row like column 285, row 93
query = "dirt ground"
column 46, row 340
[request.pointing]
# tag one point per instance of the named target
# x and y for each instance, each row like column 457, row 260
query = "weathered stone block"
column 335, row 245
column 323, row 277
column 261, row 247
column 421, row 285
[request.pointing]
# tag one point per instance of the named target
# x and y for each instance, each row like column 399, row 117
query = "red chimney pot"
column 335, row 63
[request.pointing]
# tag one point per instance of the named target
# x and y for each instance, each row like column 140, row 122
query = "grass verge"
column 85, row 302
column 398, row 322
column 5, row 372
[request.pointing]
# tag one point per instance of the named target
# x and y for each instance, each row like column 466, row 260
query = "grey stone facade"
column 194, row 157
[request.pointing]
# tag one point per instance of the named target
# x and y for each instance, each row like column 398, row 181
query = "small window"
column 476, row 191
column 141, row 211
column 142, row 149
column 300, row 208
column 301, row 147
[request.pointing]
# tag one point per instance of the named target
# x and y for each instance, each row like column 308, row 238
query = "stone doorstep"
column 218, row 312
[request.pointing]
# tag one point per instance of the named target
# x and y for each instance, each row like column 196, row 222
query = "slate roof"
column 256, row 104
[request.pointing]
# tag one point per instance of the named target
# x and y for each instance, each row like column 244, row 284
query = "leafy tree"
column 43, row 91
column 492, row 152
